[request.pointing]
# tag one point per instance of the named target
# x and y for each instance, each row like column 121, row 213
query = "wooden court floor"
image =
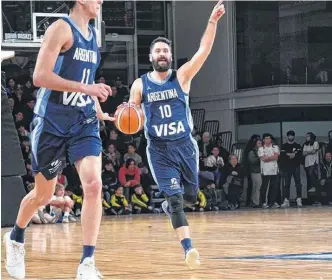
column 256, row 244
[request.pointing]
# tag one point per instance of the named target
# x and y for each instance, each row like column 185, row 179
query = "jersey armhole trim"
column 73, row 37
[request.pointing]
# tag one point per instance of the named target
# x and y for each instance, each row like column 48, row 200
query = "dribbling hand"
column 218, row 12
column 101, row 91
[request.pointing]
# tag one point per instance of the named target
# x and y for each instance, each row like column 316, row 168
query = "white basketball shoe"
column 192, row 258
column 88, row 271
column 15, row 253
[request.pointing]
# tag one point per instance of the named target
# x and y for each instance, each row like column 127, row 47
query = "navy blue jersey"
column 65, row 112
column 166, row 109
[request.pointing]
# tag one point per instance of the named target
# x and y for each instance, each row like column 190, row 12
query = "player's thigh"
column 165, row 171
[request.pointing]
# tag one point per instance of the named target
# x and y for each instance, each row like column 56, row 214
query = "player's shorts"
column 50, row 151
column 174, row 166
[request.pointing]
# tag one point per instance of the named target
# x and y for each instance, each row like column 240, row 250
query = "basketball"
column 129, row 118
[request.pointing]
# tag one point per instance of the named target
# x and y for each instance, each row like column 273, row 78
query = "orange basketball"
column 129, row 118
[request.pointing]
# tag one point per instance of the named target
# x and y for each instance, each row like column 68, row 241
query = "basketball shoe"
column 15, row 253
column 88, row 271
column 192, row 258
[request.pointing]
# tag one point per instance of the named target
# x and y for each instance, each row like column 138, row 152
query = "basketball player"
column 65, row 124
column 172, row 152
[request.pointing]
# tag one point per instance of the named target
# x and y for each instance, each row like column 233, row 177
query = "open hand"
column 218, row 12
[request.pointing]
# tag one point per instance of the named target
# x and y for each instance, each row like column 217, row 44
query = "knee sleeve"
column 178, row 217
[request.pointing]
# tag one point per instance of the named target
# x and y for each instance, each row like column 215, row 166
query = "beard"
column 291, row 139
column 161, row 68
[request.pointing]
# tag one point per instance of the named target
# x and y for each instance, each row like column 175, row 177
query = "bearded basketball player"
column 172, row 153
column 65, row 124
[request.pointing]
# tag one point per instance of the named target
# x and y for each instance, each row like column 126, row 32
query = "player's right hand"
column 101, row 91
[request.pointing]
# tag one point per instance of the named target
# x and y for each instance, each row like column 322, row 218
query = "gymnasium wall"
column 212, row 86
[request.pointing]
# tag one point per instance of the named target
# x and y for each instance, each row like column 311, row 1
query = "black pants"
column 234, row 194
column 312, row 176
column 289, row 173
column 271, row 182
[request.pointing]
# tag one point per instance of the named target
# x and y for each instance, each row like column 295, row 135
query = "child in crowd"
column 140, row 201
column 200, row 203
column 119, row 202
column 60, row 201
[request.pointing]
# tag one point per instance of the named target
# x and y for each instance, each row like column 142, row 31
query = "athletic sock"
column 66, row 214
column 87, row 252
column 186, row 244
column 17, row 234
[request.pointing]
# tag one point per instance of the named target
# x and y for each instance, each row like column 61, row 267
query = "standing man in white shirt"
column 269, row 154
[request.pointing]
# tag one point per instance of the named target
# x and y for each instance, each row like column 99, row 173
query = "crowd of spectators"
column 127, row 180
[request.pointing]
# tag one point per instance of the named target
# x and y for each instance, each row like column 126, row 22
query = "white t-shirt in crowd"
column 311, row 159
column 270, row 167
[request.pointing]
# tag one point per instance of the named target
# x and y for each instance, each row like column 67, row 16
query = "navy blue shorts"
column 50, row 151
column 174, row 166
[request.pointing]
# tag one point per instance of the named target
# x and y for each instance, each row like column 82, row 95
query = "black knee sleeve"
column 178, row 218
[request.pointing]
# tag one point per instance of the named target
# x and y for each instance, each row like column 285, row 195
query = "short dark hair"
column 160, row 39
column 70, row 4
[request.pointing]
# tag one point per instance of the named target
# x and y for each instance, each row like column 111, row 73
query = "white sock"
column 66, row 214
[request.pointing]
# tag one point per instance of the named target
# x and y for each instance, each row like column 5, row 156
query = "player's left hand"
column 218, row 12
column 105, row 117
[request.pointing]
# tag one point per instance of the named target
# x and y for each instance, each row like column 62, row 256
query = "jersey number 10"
column 165, row 111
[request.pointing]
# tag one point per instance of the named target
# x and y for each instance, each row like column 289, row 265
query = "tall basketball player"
column 65, row 124
column 172, row 152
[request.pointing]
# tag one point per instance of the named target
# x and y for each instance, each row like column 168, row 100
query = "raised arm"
column 59, row 38
column 187, row 72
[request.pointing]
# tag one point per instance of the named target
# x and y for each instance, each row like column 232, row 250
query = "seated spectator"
column 222, row 151
column 11, row 103
column 28, row 109
column 17, row 96
column 129, row 177
column 114, row 156
column 109, row 179
column 11, row 87
column 140, row 201
column 254, row 165
column 25, row 146
column 62, row 179
column 115, row 139
column 21, row 130
column 77, row 197
column 214, row 163
column 132, row 154
column 200, row 204
column 195, row 134
column 205, row 145
column 325, row 183
column 19, row 117
column 146, row 178
column 60, row 201
column 103, row 131
column 119, row 202
column 106, row 206
column 235, row 176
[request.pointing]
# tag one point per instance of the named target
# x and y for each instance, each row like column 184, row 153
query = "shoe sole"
column 5, row 248
column 192, row 259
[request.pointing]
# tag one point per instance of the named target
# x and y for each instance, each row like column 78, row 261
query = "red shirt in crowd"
column 131, row 171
